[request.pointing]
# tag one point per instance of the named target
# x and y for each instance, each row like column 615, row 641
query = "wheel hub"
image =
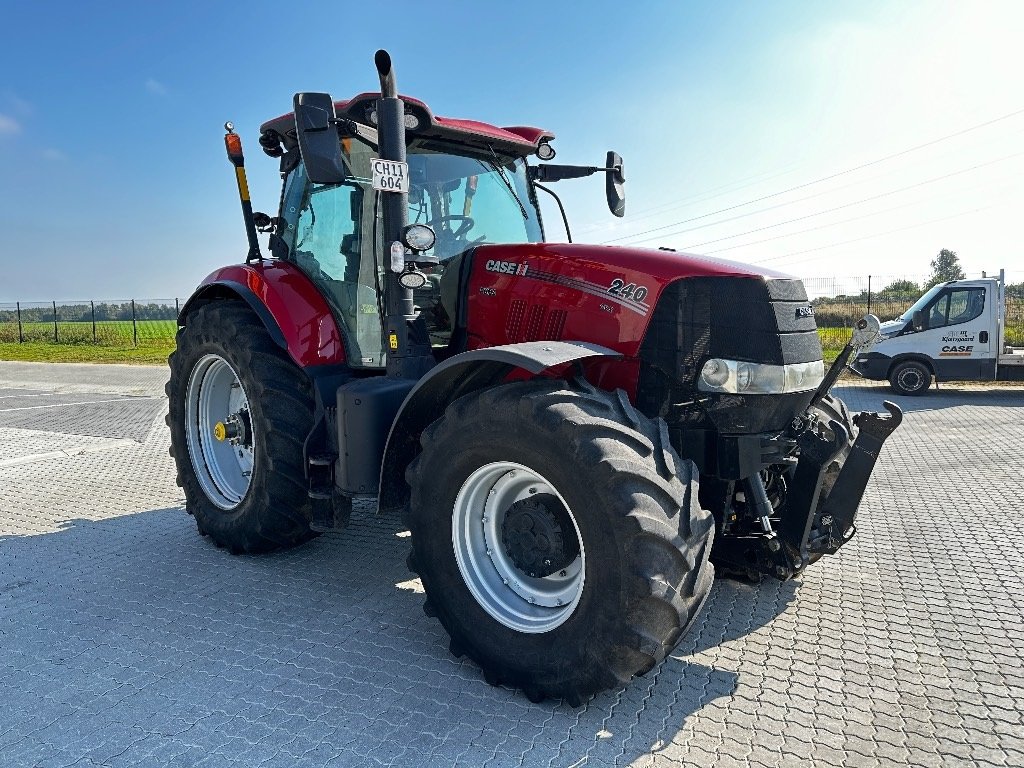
column 533, row 534
column 236, row 429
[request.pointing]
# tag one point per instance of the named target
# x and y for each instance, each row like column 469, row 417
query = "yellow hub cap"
column 220, row 431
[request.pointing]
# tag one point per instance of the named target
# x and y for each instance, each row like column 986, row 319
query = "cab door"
column 959, row 332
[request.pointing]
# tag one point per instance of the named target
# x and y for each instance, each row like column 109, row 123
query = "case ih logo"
column 805, row 311
column 506, row 267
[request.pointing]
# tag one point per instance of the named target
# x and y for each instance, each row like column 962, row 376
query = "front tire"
column 239, row 411
column 558, row 537
column 910, row 378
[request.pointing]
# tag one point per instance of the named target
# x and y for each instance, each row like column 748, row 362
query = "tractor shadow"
column 137, row 622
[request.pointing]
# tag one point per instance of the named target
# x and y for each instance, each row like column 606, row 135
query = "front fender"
column 457, row 376
column 294, row 312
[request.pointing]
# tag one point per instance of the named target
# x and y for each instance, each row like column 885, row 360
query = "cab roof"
column 517, row 139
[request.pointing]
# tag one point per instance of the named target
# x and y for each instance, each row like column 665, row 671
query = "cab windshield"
column 333, row 232
column 921, row 303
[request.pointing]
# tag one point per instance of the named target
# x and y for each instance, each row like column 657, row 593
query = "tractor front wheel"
column 558, row 537
column 239, row 410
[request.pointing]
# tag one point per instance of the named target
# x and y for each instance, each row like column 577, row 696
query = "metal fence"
column 838, row 303
column 118, row 323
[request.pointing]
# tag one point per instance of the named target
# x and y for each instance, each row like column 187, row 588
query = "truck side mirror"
column 615, row 184
column 319, row 145
column 918, row 321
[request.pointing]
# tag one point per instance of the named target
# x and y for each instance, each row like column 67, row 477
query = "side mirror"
column 319, row 145
column 918, row 321
column 615, row 184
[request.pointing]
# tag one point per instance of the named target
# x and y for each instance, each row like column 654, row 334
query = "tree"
column 945, row 267
column 902, row 287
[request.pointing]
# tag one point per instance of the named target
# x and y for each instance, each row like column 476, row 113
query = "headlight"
column 737, row 377
column 419, row 237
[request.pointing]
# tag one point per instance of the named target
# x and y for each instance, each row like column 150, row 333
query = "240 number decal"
column 627, row 290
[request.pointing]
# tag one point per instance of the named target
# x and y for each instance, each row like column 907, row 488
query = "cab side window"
column 960, row 305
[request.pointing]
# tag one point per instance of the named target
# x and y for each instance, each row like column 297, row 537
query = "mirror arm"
column 350, row 129
column 549, row 173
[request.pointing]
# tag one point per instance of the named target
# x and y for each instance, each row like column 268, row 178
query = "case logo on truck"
column 956, row 351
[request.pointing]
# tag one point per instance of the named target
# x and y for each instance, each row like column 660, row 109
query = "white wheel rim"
column 911, row 379
column 525, row 603
column 223, row 467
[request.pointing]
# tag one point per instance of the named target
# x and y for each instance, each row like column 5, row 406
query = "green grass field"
column 114, row 342
column 107, row 332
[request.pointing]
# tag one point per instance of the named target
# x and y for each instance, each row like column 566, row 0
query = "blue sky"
column 114, row 181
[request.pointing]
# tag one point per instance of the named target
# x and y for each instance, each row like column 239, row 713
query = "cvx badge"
column 807, row 311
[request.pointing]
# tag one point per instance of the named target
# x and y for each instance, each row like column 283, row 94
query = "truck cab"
column 955, row 332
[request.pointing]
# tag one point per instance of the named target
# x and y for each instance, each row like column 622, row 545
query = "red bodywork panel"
column 541, row 291
column 299, row 308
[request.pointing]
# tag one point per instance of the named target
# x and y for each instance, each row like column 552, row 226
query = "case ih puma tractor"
column 538, row 412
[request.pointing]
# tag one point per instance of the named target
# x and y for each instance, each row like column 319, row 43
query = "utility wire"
column 823, row 178
column 870, row 237
column 943, row 177
column 829, row 224
column 699, row 197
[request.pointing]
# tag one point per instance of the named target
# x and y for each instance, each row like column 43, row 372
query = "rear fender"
column 457, row 376
column 294, row 312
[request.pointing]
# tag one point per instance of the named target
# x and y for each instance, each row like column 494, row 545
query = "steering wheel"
column 467, row 223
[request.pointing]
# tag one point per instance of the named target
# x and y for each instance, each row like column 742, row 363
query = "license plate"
column 390, row 176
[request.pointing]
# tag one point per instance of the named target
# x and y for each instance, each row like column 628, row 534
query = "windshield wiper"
column 496, row 165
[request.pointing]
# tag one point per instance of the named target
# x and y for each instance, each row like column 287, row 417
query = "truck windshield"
column 921, row 303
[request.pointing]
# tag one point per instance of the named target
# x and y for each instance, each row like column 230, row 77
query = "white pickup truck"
column 955, row 332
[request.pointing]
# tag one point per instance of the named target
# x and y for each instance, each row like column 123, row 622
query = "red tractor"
column 537, row 412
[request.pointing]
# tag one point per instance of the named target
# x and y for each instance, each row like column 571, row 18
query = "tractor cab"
column 467, row 196
column 469, row 182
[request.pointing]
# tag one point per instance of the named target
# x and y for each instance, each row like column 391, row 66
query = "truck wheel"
column 558, row 537
column 239, row 411
column 910, row 378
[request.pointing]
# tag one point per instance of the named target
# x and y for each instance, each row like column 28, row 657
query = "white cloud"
column 8, row 125
column 155, row 86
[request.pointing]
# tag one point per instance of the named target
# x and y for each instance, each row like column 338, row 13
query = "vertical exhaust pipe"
column 408, row 347
column 387, row 75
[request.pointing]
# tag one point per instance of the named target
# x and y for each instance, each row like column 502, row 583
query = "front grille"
column 735, row 318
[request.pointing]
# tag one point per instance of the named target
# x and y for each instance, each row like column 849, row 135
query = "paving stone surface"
column 126, row 639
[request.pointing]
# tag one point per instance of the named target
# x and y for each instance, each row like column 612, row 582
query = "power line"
column 959, row 192
column 823, row 178
column 700, row 197
column 869, row 237
column 943, row 177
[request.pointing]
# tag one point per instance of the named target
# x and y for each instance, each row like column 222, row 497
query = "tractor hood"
column 540, row 291
column 658, row 263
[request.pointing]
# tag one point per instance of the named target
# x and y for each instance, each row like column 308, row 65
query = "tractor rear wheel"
column 558, row 537
column 239, row 411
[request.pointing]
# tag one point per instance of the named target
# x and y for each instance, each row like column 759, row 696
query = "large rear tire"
column 239, row 411
column 558, row 537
